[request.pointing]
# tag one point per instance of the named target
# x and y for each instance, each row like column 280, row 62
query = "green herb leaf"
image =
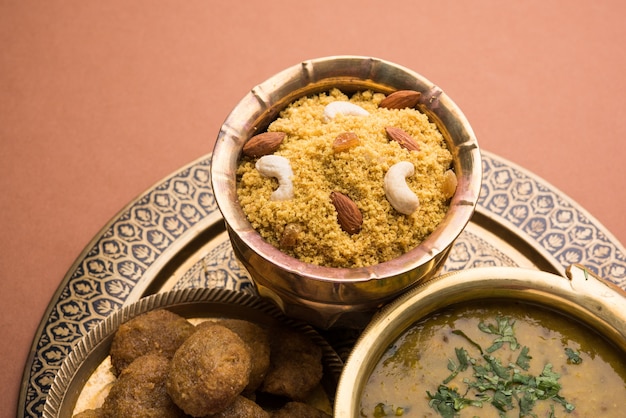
column 526, row 404
column 568, row 406
column 573, row 357
column 547, row 383
column 448, row 401
column 503, row 328
column 502, row 401
column 462, row 334
column 464, row 362
column 504, row 387
column 497, row 367
column 464, row 359
column 524, row 380
column 523, row 359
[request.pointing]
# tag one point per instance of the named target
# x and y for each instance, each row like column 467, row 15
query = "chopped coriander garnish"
column 523, row 360
column 503, row 328
column 573, row 357
column 464, row 362
column 504, row 386
column 462, row 334
column 448, row 401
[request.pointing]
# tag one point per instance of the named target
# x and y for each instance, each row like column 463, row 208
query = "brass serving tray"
column 173, row 237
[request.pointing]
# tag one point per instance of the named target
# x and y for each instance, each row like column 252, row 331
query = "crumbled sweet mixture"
column 358, row 173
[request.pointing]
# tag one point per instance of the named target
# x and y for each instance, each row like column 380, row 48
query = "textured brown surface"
column 100, row 100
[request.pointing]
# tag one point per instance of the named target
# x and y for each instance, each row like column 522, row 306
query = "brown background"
column 99, row 100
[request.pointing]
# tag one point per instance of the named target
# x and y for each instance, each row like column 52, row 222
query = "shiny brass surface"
column 324, row 296
column 581, row 295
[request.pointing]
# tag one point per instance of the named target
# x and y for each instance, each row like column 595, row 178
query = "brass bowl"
column 582, row 296
column 326, row 296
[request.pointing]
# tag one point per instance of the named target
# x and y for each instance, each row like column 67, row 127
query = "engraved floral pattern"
column 104, row 279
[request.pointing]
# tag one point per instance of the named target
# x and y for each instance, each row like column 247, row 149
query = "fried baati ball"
column 209, row 370
column 242, row 407
column 258, row 342
column 295, row 365
column 300, row 410
column 140, row 392
column 159, row 331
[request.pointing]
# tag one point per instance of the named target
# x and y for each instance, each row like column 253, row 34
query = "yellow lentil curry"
column 497, row 360
column 355, row 171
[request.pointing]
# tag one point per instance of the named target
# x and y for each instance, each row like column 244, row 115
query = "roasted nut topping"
column 345, row 141
column 290, row 236
column 280, row 168
column 401, row 137
column 449, row 184
column 263, row 144
column 398, row 193
column 401, row 99
column 348, row 214
column 344, row 108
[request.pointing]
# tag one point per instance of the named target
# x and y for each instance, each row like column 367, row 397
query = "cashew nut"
column 398, row 193
column 280, row 168
column 344, row 108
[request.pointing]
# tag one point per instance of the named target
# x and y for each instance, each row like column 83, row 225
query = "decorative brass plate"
column 173, row 237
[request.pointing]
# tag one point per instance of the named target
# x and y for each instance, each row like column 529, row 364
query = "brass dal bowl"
column 340, row 297
column 581, row 295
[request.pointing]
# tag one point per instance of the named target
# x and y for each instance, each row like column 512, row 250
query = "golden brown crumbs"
column 357, row 172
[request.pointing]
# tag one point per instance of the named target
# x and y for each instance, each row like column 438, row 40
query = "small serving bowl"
column 581, row 296
column 340, row 297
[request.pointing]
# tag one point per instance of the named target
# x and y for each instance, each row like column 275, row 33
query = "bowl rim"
column 259, row 103
column 588, row 298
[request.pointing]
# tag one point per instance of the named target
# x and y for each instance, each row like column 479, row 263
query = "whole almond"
column 400, row 136
column 401, row 99
column 345, row 141
column 348, row 214
column 263, row 144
